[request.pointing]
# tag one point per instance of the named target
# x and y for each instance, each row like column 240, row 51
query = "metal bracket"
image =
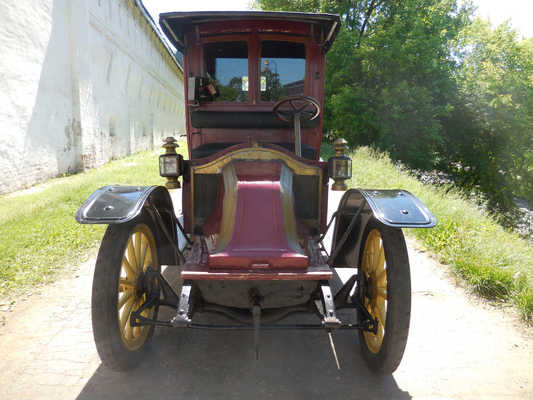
column 349, row 229
column 333, row 218
column 170, row 298
column 342, row 296
column 182, row 317
column 330, row 320
column 180, row 227
column 161, row 224
column 154, row 284
column 256, row 312
column 368, row 323
column 137, row 319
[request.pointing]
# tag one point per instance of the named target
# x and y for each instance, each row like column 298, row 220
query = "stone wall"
column 81, row 82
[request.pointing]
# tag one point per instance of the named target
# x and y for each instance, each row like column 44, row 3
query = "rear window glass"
column 227, row 64
column 282, row 70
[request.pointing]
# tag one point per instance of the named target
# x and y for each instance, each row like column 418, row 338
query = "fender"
column 117, row 204
column 394, row 208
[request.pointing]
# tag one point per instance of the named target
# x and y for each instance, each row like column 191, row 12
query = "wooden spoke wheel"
column 127, row 250
column 384, row 288
column 375, row 301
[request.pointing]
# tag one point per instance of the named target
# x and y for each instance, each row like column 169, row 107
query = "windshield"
column 227, row 64
column 282, row 70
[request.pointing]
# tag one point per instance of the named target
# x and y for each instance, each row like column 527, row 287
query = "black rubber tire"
column 398, row 313
column 106, row 332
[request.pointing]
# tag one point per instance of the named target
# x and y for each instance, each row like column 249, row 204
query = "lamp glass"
column 168, row 165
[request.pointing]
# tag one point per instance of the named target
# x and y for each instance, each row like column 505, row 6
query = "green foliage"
column 295, row 5
column 496, row 263
column 39, row 234
column 495, row 109
column 388, row 72
column 425, row 82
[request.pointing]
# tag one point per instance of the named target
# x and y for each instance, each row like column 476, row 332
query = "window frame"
column 281, row 38
column 254, row 41
column 244, row 37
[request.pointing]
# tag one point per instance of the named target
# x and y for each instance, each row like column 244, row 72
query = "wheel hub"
column 139, row 287
column 147, row 283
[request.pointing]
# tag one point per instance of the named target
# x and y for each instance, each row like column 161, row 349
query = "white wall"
column 81, row 82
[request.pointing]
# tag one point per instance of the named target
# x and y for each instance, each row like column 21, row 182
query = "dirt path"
column 459, row 348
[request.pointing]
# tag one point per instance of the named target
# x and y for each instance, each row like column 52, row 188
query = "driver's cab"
column 254, row 189
column 238, row 65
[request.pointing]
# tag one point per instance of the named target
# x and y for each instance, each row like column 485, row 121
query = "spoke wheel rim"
column 139, row 254
column 374, row 267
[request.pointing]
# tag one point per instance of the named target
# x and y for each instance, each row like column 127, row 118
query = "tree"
column 389, row 73
column 495, row 108
column 435, row 88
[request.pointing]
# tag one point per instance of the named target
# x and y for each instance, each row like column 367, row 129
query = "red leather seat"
column 263, row 234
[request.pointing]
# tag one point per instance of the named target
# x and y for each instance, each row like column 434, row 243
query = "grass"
column 39, row 234
column 496, row 263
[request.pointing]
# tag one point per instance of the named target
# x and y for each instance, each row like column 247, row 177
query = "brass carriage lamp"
column 340, row 165
column 171, row 163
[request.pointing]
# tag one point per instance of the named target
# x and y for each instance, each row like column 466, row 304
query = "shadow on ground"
column 201, row 364
column 197, row 364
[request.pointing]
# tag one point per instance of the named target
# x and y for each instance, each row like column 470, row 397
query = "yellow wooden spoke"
column 372, row 341
column 137, row 248
column 144, row 249
column 125, row 316
column 125, row 288
column 381, row 292
column 370, row 266
column 381, row 312
column 126, row 297
column 128, row 331
column 381, row 276
column 126, row 283
column 375, row 242
column 148, row 262
column 378, row 251
column 374, row 248
column 380, row 334
column 130, row 273
column 380, row 264
column 131, row 256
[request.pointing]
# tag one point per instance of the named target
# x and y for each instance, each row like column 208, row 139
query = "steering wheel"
column 301, row 108
column 300, row 105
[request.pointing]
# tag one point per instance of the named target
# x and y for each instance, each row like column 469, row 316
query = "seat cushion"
column 263, row 233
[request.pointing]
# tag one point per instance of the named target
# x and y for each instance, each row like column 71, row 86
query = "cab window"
column 227, row 64
column 282, row 70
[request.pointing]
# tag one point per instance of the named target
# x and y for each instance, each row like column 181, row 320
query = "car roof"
column 175, row 24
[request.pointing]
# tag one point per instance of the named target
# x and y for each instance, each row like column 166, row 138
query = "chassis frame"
column 322, row 303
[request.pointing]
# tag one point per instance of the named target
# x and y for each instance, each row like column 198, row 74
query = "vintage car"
column 250, row 244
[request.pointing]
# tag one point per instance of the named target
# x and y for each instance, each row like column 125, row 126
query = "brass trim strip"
column 229, row 207
column 256, row 153
column 287, row 206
